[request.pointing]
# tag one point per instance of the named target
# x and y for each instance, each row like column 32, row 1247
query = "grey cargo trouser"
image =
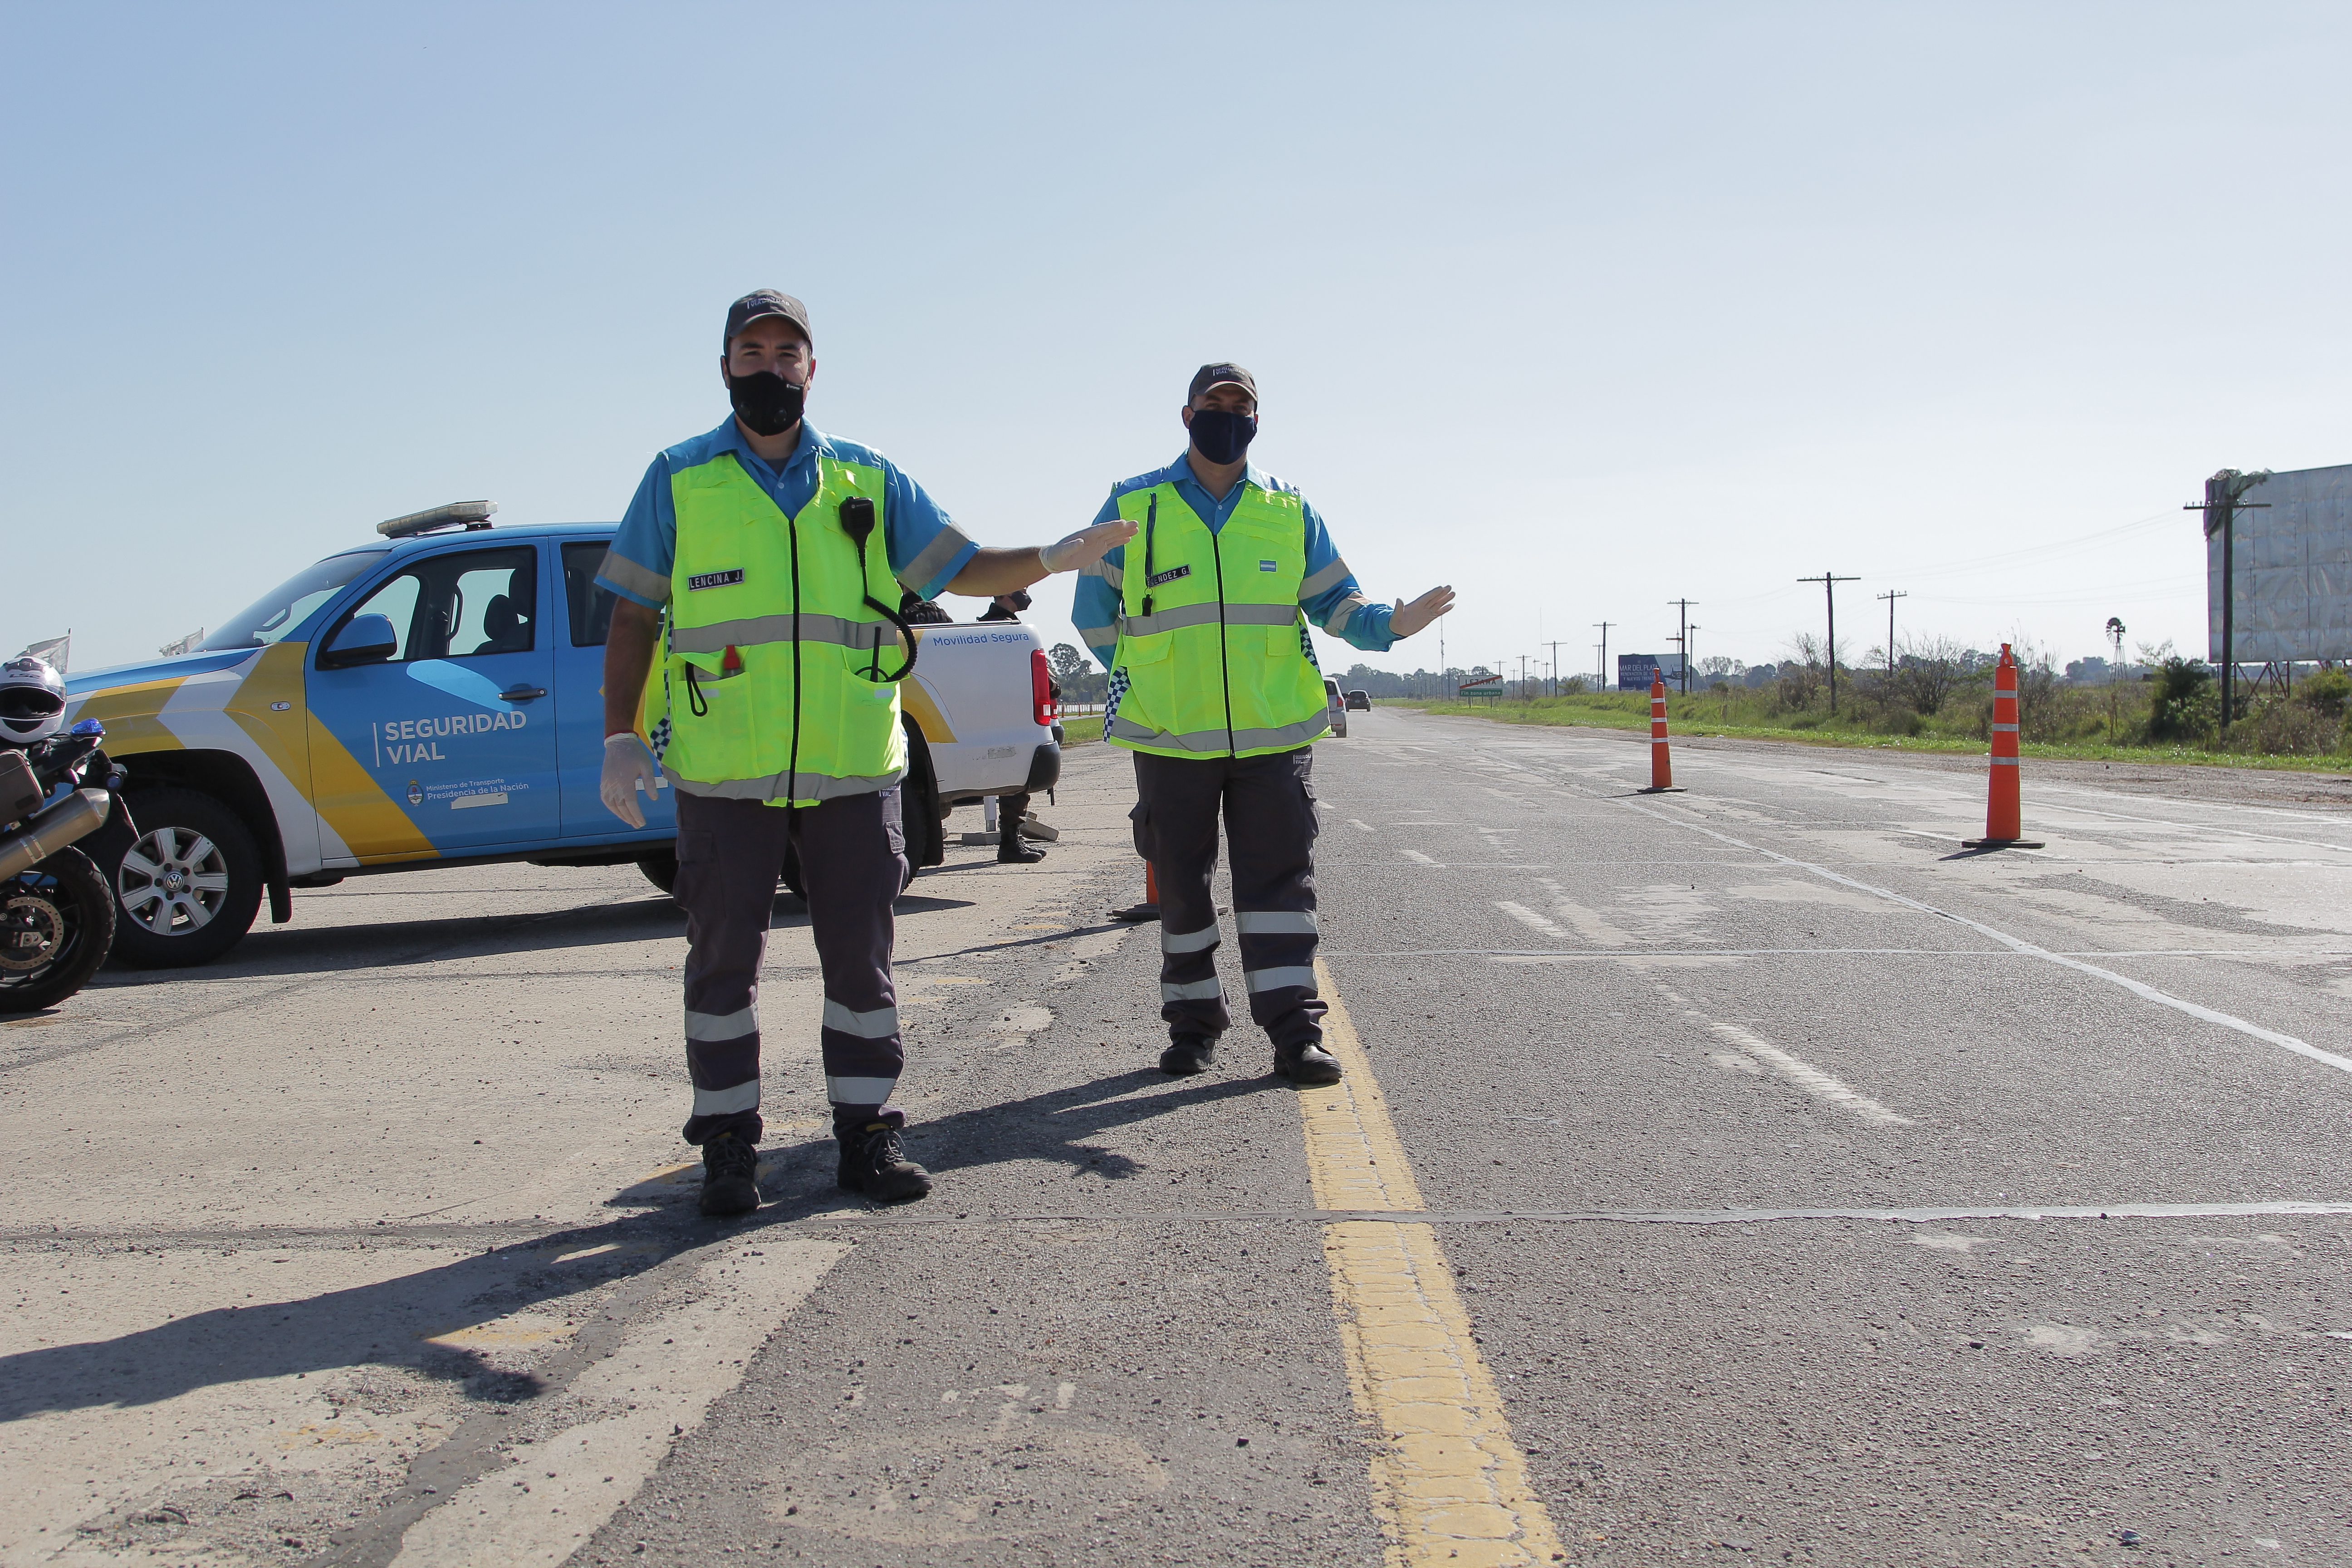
column 1268, row 806
column 853, row 855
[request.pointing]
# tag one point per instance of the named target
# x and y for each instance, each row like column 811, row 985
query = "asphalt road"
column 1742, row 1173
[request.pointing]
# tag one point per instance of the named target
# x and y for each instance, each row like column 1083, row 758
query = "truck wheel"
column 55, row 920
column 660, row 869
column 189, row 886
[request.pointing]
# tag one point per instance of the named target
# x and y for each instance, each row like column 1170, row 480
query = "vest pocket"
column 1283, row 642
column 1149, row 649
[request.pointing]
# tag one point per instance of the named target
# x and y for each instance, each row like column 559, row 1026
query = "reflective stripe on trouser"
column 731, row 854
column 1267, row 806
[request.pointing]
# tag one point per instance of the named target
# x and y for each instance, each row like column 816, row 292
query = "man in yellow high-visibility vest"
column 776, row 556
column 1201, row 622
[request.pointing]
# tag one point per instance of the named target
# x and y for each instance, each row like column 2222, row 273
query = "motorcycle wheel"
column 56, row 922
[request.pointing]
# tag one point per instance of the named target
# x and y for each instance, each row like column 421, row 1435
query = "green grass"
column 1698, row 715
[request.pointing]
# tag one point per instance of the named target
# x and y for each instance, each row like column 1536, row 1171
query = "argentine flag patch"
column 1266, row 566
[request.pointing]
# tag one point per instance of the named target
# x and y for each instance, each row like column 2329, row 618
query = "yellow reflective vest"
column 1212, row 650
column 775, row 661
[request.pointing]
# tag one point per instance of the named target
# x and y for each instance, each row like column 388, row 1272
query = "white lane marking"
column 654, row 1387
column 1417, row 855
column 1918, row 1215
column 2019, row 944
column 1806, row 1076
column 1357, row 822
column 1528, row 917
column 1591, row 924
column 1540, row 955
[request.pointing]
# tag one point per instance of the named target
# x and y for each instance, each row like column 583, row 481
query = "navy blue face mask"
column 766, row 402
column 1222, row 437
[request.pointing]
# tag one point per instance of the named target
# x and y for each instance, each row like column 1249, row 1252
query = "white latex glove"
column 1406, row 620
column 629, row 766
column 1085, row 547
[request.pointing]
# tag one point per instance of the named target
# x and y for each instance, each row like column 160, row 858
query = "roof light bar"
column 470, row 514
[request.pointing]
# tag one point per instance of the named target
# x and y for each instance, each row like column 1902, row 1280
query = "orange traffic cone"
column 1662, row 766
column 2003, row 813
column 1150, row 908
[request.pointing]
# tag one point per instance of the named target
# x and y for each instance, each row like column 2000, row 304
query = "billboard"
column 2293, row 571
column 1635, row 670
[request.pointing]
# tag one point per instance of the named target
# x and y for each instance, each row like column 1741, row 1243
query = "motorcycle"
column 56, row 913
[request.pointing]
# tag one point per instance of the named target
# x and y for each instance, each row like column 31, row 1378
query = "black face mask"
column 766, row 403
column 1222, row 437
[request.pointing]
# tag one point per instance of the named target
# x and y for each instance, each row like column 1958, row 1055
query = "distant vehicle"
column 1358, row 700
column 1338, row 706
column 435, row 696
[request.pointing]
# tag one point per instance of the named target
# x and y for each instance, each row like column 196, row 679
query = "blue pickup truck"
column 435, row 695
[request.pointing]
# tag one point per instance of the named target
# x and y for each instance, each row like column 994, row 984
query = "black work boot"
column 1189, row 1054
column 730, row 1171
column 1012, row 849
column 1307, row 1064
column 874, row 1162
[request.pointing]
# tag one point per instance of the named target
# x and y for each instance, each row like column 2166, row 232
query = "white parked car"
column 1338, row 704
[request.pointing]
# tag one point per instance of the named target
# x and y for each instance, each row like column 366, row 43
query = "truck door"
column 580, row 706
column 454, row 732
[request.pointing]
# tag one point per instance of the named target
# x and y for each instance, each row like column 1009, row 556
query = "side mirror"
column 364, row 639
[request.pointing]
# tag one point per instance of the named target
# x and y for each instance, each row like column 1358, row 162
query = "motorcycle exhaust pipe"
column 79, row 814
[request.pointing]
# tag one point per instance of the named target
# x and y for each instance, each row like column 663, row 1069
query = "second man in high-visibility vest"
column 770, row 558
column 1201, row 620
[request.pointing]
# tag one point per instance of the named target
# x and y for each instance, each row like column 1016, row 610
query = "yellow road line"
column 1448, row 1482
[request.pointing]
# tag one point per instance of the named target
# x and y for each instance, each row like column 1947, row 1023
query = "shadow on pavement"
column 393, row 1322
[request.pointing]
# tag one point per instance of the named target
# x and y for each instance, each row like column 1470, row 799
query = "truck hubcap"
column 173, row 881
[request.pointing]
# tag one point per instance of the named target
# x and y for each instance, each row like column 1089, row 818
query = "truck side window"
column 459, row 606
column 590, row 606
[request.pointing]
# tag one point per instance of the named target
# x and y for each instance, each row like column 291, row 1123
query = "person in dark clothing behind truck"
column 1202, row 622
column 1011, row 809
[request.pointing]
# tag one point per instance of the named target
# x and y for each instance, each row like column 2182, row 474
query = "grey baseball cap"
column 1223, row 373
column 763, row 302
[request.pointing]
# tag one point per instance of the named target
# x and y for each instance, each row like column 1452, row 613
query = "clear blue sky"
column 1580, row 307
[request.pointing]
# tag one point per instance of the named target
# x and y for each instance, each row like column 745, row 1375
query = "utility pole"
column 1604, row 626
column 1523, row 676
column 1683, row 642
column 2221, row 507
column 1890, row 598
column 1828, row 582
column 1554, row 645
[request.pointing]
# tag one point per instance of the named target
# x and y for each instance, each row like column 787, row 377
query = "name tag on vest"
column 714, row 580
column 1157, row 579
column 1267, row 566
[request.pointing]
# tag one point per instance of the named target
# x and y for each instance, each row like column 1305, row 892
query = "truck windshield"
column 285, row 606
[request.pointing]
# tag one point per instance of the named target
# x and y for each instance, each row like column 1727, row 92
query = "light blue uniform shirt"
column 1329, row 593
column 927, row 550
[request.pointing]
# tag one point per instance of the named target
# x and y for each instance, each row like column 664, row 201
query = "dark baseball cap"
column 763, row 302
column 1223, row 373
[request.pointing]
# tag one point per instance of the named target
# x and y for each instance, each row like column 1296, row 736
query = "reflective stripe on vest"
column 1210, row 638
column 772, row 649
